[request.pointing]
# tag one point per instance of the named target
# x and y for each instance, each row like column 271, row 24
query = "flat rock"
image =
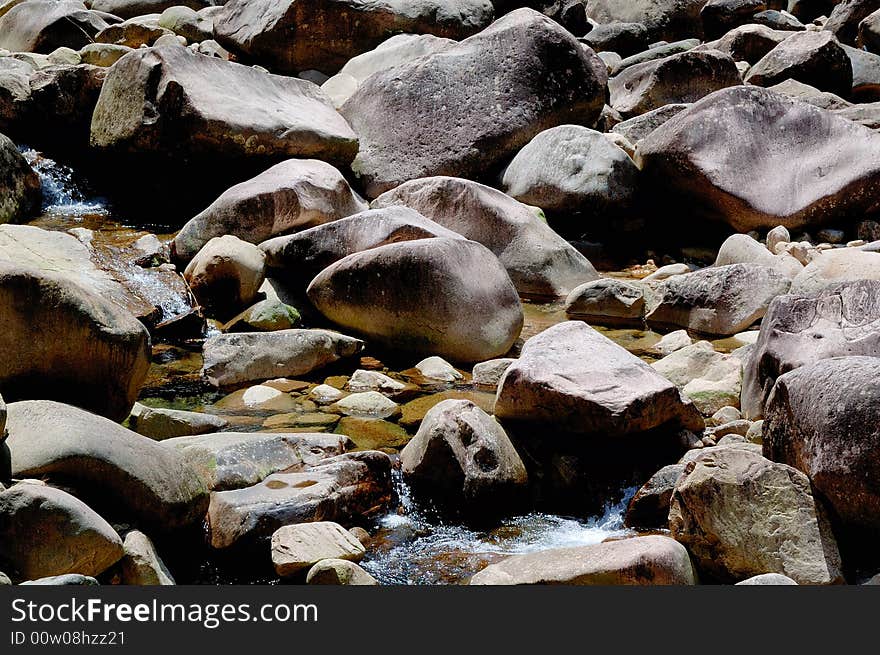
column 339, row 572
column 299, row 547
column 160, row 423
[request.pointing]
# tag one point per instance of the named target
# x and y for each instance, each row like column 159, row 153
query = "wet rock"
column 458, row 303
column 44, row 25
column 110, row 465
column 649, row 507
column 710, row 379
column 608, row 302
column 293, row 195
column 159, row 423
column 362, row 380
column 539, row 261
column 234, row 460
column 636, row 561
column 740, row 515
column 46, row 532
column 141, row 564
column 288, row 36
column 767, row 579
column 268, row 116
column 822, row 419
column 19, row 185
column 835, row 267
column 437, row 368
column 671, row 343
column 721, row 300
column 547, row 78
column 131, row 8
column 225, row 275
column 348, row 489
column 734, row 188
column 638, row 127
column 462, row 459
column 489, row 373
column 368, row 403
column 681, row 78
column 299, row 547
column 665, row 19
column 339, row 572
column 623, row 38
column 232, row 359
column 814, row 58
column 721, row 16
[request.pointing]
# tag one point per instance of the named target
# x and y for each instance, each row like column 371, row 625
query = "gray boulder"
column 810, row 94
column 44, row 25
column 608, row 302
column 141, row 564
column 20, row 186
column 814, row 58
column 131, row 8
column 844, row 20
column 649, row 507
column 296, row 548
column 339, row 572
column 623, row 38
column 665, row 19
column 869, row 32
column 159, row 423
column 638, row 127
column 225, row 276
column 749, row 42
column 721, row 16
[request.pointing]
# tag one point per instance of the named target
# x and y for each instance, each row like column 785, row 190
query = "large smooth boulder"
column 295, row 260
column 447, row 297
column 608, row 301
column 348, row 489
column 134, row 32
column 172, row 101
column 822, row 419
column 44, row 25
column 159, row 423
column 636, row 561
column 754, row 159
column 109, row 465
column 289, row 36
column 575, row 379
column 712, row 380
column 740, row 515
column 294, row 195
column 541, row 77
column 749, row 42
column 638, row 127
column 814, row 58
column 131, row 8
column 572, row 169
column 462, row 460
column 835, row 267
column 721, row 16
column 869, row 32
column 339, row 572
column 680, row 78
column 296, row 548
column 665, row 19
column 865, row 75
column 46, row 531
column 539, row 261
column 233, row 359
column 624, row 39
column 743, row 249
column 19, row 185
column 226, row 275
column 717, row 301
column 801, row 329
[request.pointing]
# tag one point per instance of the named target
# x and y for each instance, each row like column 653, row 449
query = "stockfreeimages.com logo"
column 210, row 615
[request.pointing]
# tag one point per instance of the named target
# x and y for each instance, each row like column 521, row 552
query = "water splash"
column 62, row 190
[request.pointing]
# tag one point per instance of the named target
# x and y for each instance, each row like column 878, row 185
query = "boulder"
column 69, row 579
column 131, row 8
column 135, row 32
column 462, row 460
column 289, row 36
column 835, row 267
column 339, row 572
column 743, row 249
column 489, row 373
column 226, row 275
column 665, row 19
column 649, row 507
column 348, row 489
column 141, row 564
column 110, row 465
column 814, row 58
column 721, row 16
column 740, row 515
column 844, row 20
column 608, row 301
column 267, row 315
column 625, row 39
column 717, row 301
column 778, row 20
column 44, row 25
column 20, row 186
column 865, row 75
column 159, row 423
column 680, row 78
column 572, row 169
column 296, row 548
column 638, row 127
column 367, row 404
column 234, row 460
column 362, row 380
column 636, row 561
column 542, row 77
column 767, row 579
column 811, row 95
column 749, row 42
column 437, row 368
column 660, row 51
column 718, row 157
column 456, row 301
column 234, row 359
column 670, row 343
column 188, row 23
column 174, row 102
column 540, row 262
column 710, row 379
column 294, row 195
column 838, row 321
column 822, row 419
column 46, row 531
column 869, row 32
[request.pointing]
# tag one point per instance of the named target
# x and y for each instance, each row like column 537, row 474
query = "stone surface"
column 814, row 58
column 226, row 275
column 19, row 185
column 298, row 547
column 767, row 579
column 44, row 25
column 721, row 16
column 141, row 564
column 638, row 127
column 665, row 19
column 131, row 8
column 362, row 380
column 835, row 267
column 811, row 95
column 437, row 368
column 489, row 373
column 608, row 302
column 649, row 507
column 671, row 342
column 368, row 403
column 160, row 423
column 710, row 379
column 339, row 572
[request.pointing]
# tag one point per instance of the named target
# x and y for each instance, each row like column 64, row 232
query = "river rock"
column 835, row 267
column 46, row 531
column 718, row 301
column 749, row 42
column 608, row 302
column 841, row 320
column 368, row 403
column 131, row 8
column 141, row 564
column 540, row 262
column 577, row 380
column 489, row 373
column 288, row 36
column 226, row 275
column 44, row 25
column 111, row 465
column 437, row 368
column 462, row 459
column 638, row 127
column 767, row 579
column 625, row 39
column 825, row 178
column 298, row 547
column 458, row 301
column 267, row 315
column 159, row 423
column 268, row 116
column 403, row 137
column 844, row 20
column 294, row 195
column 339, row 572
column 869, row 32
column 665, row 19
column 670, row 343
column 649, row 507
column 348, row 489
column 294, row 260
column 814, row 58
column 743, row 249
column 362, row 380
column 188, row 23
column 721, row 16
column 135, row 32
column 234, row 460
column 636, row 561
column 20, row 186
column 822, row 419
column 69, row 579
column 234, row 359
column 740, row 515
column 680, row 78
column 710, row 379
